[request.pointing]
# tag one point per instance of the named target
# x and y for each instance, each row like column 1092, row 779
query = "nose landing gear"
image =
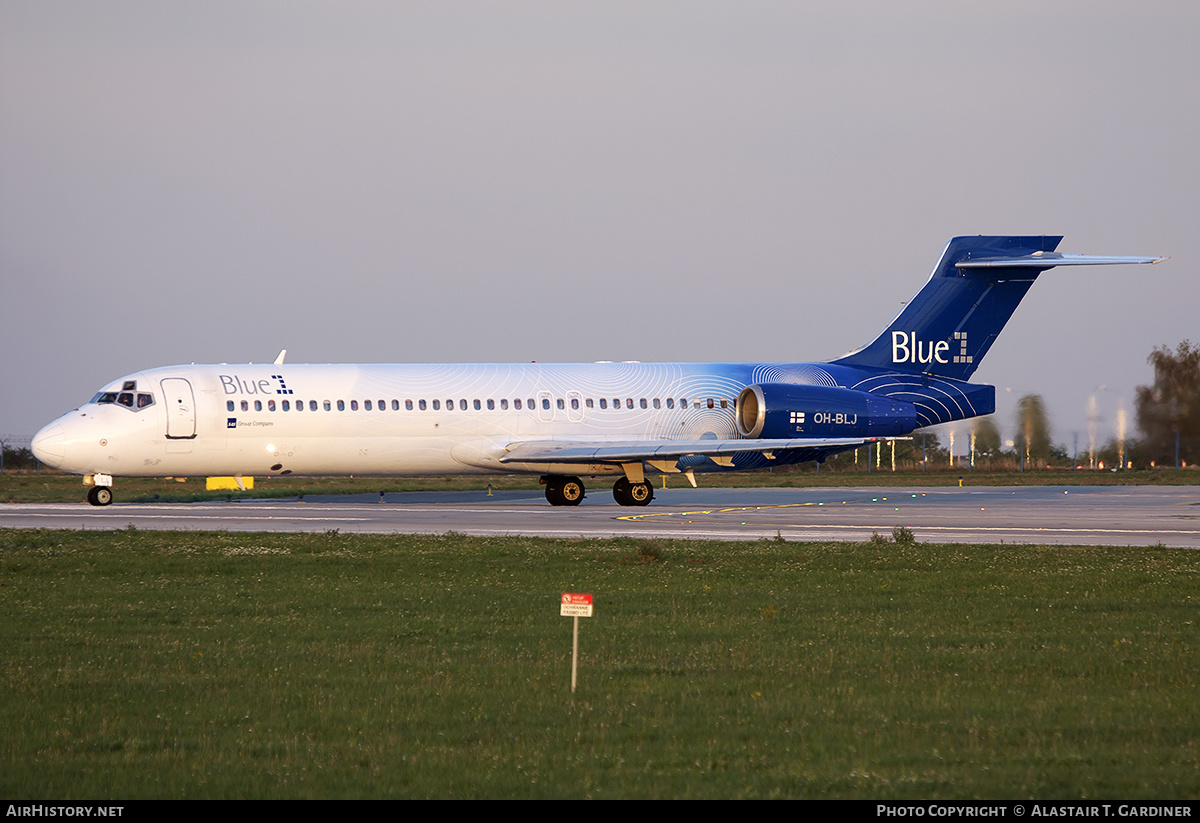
column 99, row 495
column 99, row 489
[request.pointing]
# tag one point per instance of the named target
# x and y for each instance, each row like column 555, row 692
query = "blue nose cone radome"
column 50, row 445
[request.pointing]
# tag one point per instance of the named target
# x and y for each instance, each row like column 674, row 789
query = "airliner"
column 624, row 421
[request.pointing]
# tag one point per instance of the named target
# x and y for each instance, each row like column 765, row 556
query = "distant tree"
column 1033, row 431
column 1171, row 406
column 987, row 437
column 924, row 444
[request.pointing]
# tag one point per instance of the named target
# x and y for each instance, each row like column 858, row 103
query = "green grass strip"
column 214, row 665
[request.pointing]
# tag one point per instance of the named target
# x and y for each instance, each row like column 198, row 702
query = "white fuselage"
column 389, row 419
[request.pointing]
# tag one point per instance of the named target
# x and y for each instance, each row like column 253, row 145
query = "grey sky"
column 557, row 181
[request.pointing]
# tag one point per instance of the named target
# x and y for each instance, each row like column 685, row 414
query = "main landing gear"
column 632, row 494
column 568, row 491
column 563, row 491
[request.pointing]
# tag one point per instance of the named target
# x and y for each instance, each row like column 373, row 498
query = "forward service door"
column 181, row 408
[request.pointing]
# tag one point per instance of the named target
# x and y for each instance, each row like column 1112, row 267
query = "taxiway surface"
column 1079, row 515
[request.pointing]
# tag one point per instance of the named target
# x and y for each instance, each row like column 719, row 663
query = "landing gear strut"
column 563, row 491
column 632, row 494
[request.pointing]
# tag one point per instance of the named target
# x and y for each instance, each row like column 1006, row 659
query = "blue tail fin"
column 952, row 322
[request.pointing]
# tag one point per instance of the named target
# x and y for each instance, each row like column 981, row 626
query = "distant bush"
column 18, row 458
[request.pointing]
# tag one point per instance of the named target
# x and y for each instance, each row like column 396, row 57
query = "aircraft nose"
column 50, row 445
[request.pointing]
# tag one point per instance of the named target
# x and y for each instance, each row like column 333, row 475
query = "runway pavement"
column 1078, row 515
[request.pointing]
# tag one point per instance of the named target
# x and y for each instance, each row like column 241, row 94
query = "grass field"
column 154, row 664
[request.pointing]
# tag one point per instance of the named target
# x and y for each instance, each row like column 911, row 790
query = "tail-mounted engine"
column 778, row 410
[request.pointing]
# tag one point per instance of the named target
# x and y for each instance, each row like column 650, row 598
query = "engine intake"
column 780, row 410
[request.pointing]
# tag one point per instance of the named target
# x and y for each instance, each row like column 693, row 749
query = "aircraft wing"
column 580, row 451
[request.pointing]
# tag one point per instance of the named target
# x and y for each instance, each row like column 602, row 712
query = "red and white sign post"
column 576, row 606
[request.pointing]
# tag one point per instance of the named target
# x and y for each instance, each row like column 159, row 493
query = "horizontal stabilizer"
column 1044, row 260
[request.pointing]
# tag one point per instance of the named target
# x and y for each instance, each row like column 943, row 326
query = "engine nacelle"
column 779, row 410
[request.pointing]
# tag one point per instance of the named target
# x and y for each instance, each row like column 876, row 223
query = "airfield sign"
column 576, row 606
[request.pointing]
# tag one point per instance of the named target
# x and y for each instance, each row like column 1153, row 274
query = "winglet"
column 279, row 359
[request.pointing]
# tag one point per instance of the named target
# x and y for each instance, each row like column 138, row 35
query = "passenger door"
column 181, row 408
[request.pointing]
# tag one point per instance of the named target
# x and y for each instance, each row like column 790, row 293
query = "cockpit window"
column 127, row 397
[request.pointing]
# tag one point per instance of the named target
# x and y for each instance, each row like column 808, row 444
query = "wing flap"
column 575, row 451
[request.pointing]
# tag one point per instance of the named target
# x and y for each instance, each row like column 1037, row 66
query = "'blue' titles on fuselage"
column 236, row 385
column 906, row 348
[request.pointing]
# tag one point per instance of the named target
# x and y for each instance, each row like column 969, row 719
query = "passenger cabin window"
column 367, row 405
column 228, row 405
